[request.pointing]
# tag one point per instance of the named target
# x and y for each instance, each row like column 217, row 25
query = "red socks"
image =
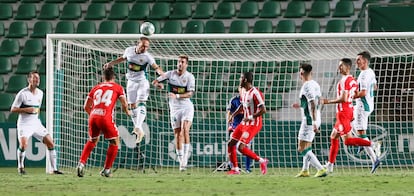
column 110, row 156
column 233, row 155
column 333, row 150
column 87, row 149
column 246, row 151
column 357, row 142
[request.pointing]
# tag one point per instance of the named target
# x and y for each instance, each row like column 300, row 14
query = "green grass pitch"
column 199, row 182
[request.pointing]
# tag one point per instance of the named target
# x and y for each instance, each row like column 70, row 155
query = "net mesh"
column 217, row 62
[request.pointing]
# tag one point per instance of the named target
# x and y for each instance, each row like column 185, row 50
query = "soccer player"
column 365, row 105
column 138, row 59
column 309, row 96
column 99, row 105
column 27, row 103
column 346, row 89
column 253, row 109
column 232, row 106
column 181, row 87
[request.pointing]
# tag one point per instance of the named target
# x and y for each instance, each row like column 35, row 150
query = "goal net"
column 74, row 64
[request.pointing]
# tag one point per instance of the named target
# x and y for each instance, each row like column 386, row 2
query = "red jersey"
column 349, row 85
column 104, row 96
column 251, row 100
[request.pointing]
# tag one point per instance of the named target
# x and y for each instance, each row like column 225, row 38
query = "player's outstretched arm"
column 114, row 62
column 157, row 69
column 340, row 99
column 157, row 84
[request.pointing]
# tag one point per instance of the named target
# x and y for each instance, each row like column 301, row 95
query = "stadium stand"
column 17, row 29
column 119, row 11
column 6, row 11
column 204, row 10
column 172, row 26
column 9, row 47
column 181, row 10
column 270, row 9
column 16, row 83
column 108, row 27
column 248, row 9
column 6, row 100
column 26, row 11
column 6, row 65
column 263, row 26
column 225, row 10
column 130, row 26
column 65, row 27
column 215, row 26
column 49, row 11
column 310, row 26
column 139, row 11
column 26, row 65
column 239, row 26
column 71, row 11
column 41, row 28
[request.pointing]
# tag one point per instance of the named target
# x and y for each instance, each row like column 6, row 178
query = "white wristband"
column 313, row 122
column 177, row 95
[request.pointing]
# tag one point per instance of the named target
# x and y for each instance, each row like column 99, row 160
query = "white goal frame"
column 51, row 38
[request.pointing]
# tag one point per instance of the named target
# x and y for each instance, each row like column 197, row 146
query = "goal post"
column 74, row 64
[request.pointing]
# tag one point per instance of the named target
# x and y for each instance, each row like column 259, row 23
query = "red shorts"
column 98, row 125
column 245, row 133
column 343, row 122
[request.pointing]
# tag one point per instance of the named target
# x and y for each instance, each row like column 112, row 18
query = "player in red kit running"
column 253, row 109
column 346, row 89
column 99, row 105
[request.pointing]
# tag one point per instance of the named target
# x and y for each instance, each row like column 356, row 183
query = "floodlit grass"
column 197, row 182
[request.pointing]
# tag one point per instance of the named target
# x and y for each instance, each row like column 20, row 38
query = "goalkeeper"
column 138, row 59
column 232, row 106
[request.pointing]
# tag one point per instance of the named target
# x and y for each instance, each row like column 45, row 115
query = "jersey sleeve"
column 191, row 83
column 18, row 100
column 259, row 98
column 126, row 53
column 307, row 91
column 120, row 90
column 164, row 77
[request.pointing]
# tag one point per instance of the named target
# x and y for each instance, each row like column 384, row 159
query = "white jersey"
column 310, row 91
column 139, row 63
column 179, row 85
column 366, row 81
column 25, row 98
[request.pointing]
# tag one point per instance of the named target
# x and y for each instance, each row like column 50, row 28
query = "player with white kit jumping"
column 137, row 88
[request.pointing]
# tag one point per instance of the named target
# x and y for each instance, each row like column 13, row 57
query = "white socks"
column 52, row 158
column 186, row 154
column 313, row 160
column 20, row 158
column 179, row 155
column 139, row 116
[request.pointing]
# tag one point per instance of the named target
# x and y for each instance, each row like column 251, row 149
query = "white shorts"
column 360, row 119
column 178, row 116
column 137, row 91
column 306, row 132
column 35, row 129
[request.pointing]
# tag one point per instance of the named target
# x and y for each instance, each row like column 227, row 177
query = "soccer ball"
column 147, row 28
